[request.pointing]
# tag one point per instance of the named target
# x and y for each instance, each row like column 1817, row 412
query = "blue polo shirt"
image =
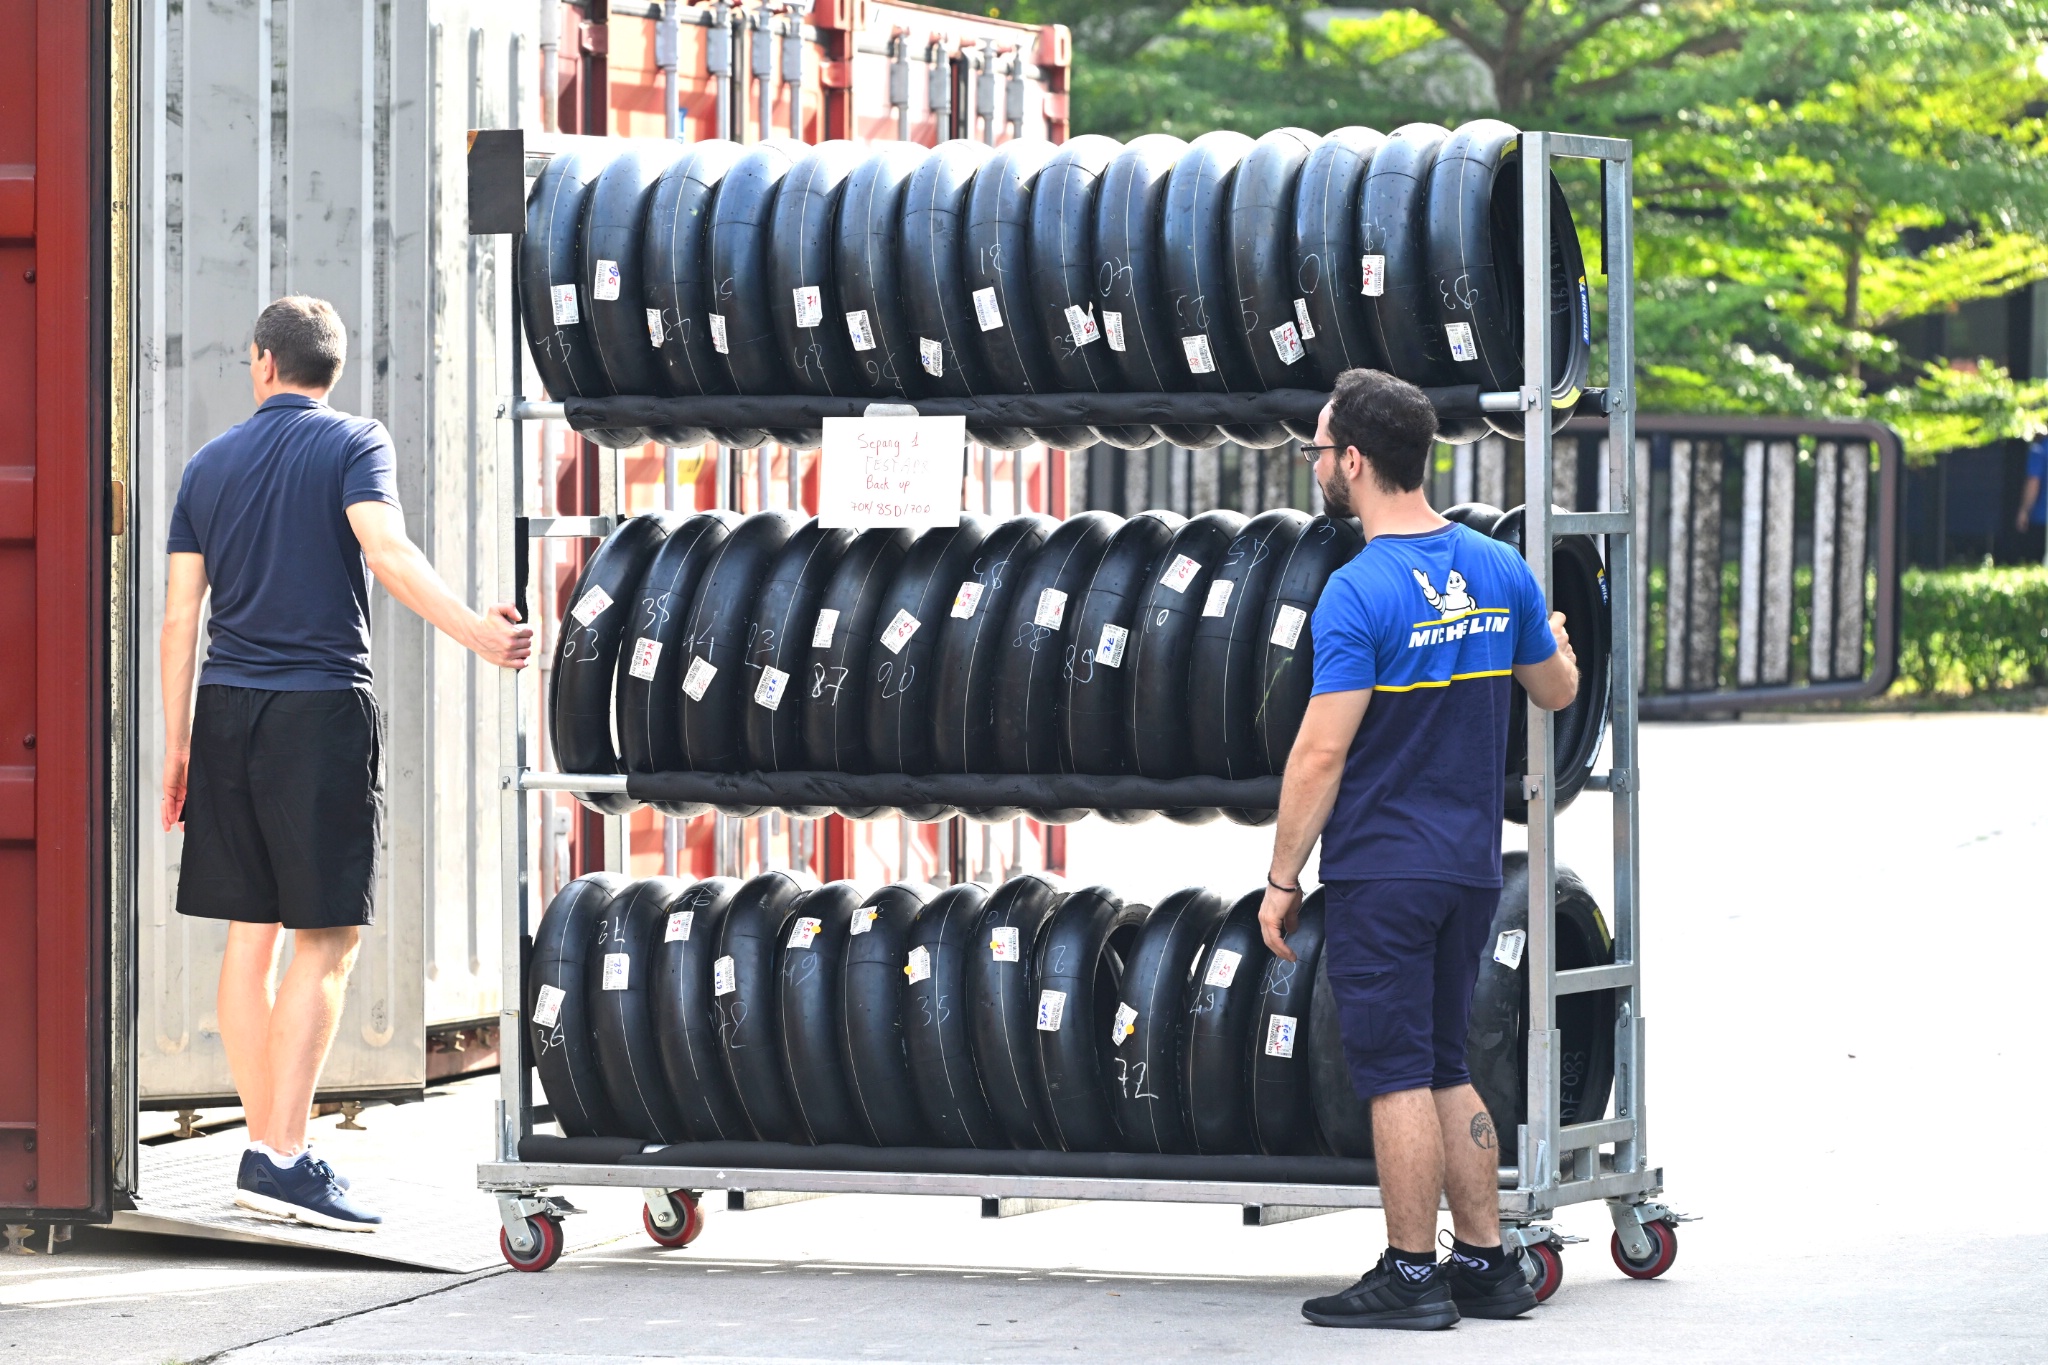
column 266, row 504
column 2037, row 468
column 1432, row 624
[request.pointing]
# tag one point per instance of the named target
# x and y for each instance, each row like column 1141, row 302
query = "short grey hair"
column 307, row 339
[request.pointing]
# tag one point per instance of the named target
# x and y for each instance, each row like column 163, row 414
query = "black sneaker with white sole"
column 1503, row 1291
column 304, row 1190
column 1389, row 1295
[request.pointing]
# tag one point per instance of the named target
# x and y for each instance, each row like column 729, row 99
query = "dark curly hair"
column 1391, row 423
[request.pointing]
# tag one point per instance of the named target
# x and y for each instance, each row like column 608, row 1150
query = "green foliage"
column 1966, row 631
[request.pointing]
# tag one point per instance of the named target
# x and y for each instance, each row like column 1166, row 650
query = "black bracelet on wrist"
column 1294, row 890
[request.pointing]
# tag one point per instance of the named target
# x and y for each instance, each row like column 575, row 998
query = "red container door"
column 54, row 701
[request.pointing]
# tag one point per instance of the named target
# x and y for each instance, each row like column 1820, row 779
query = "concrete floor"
column 1840, row 982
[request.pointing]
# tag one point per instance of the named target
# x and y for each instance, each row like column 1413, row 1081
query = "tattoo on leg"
column 1482, row 1131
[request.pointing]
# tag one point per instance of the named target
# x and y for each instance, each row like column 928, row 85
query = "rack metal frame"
column 1556, row 1164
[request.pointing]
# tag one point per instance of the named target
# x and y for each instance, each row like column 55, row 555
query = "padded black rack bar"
column 968, row 791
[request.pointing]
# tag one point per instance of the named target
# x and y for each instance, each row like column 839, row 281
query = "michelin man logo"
column 1453, row 599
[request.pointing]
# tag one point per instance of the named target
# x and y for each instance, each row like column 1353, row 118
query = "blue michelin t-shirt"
column 1432, row 624
column 266, row 504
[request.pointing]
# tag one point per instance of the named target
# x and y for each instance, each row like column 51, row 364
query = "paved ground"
column 1841, row 965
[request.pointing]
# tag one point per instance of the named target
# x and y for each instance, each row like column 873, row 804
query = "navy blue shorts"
column 1403, row 957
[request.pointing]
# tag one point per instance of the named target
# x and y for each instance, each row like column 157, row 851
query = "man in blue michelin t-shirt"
column 1398, row 768
column 275, row 773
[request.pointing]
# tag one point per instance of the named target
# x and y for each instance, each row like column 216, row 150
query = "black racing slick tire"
column 655, row 652
column 601, row 611
column 1283, row 1118
column 903, row 648
column 1156, row 708
column 842, row 636
column 1343, row 1120
column 1030, row 680
column 677, row 287
column 1098, row 679
column 1287, row 658
column 1002, row 986
column 620, row 981
column 716, row 681
column 868, row 269
column 1079, row 971
column 779, row 646
column 1149, row 1029
column 1262, row 264
column 612, row 250
column 1329, row 275
column 1223, row 664
column 558, row 1028
column 689, row 1019
column 872, row 1042
column 1578, row 588
column 803, row 294
column 973, row 644
column 937, row 1021
column 1481, row 517
column 1215, row 1077
column 737, row 249
column 744, row 979
column 809, row 983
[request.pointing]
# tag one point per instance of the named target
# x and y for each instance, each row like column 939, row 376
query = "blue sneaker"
column 250, row 1154
column 305, row 1190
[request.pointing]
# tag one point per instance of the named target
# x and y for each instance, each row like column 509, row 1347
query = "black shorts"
column 283, row 807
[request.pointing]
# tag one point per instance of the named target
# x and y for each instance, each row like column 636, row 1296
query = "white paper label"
column 654, row 328
column 967, row 599
column 1460, row 335
column 804, row 930
column 919, row 967
column 1287, row 343
column 1222, row 968
column 1126, row 1024
column 810, row 305
column 1280, row 1035
column 1081, row 325
column 618, row 970
column 768, row 692
column 1200, row 360
column 606, row 285
column 698, row 677
column 646, row 656
column 933, row 356
column 899, row 632
column 1109, row 651
column 548, row 1007
column 986, row 311
column 827, row 624
column 592, row 606
column 1301, row 318
column 1004, row 944
column 1113, row 328
column 718, row 334
column 679, row 923
column 1052, row 1007
column 1507, row 949
column 891, row 471
column 1219, row 597
column 1052, row 609
column 722, row 982
column 1375, row 271
column 563, row 296
column 863, row 920
column 1180, row 573
column 1287, row 624
column 857, row 328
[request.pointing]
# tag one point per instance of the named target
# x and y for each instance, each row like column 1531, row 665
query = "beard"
column 1337, row 495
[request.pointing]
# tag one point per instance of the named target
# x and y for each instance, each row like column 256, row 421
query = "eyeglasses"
column 1314, row 453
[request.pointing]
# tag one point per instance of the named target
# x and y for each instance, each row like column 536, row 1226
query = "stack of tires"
column 1030, row 1017
column 1158, row 647
column 898, row 272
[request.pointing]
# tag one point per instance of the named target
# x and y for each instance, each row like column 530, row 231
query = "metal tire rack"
column 1556, row 1164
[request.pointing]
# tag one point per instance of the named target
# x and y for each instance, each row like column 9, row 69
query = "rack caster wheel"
column 1544, row 1267
column 683, row 1218
column 546, row 1231
column 1663, row 1237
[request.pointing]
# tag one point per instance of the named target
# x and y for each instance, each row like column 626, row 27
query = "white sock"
column 275, row 1157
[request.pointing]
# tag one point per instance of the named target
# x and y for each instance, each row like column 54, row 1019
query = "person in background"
column 1397, row 770
column 276, row 771
column 2033, row 515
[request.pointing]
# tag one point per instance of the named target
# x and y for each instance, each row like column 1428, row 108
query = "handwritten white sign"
column 892, row 471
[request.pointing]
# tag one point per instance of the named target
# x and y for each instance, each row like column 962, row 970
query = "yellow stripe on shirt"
column 1470, row 611
column 1455, row 677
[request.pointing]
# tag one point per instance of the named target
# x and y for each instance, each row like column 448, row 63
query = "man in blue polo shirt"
column 1398, row 769
column 2033, row 517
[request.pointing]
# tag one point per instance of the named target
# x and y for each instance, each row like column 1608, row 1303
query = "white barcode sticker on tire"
column 722, row 980
column 605, row 285
column 1052, row 1007
column 857, row 327
column 768, row 692
column 1375, row 271
column 1113, row 328
column 987, row 311
column 1222, row 968
column 1287, row 624
column 678, row 930
column 563, row 297
column 821, row 633
column 1081, row 325
column 1005, row 944
column 697, row 678
column 1459, row 334
column 547, row 1007
column 618, row 971
column 1287, row 343
column 967, row 599
column 810, row 305
column 1126, row 1024
column 1180, row 573
column 1200, row 359
column 1219, row 597
column 919, row 967
column 901, row 628
column 804, row 931
column 654, row 328
column 1052, row 609
column 932, row 356
column 591, row 606
column 718, row 334
column 1110, row 651
column 1507, row 949
column 646, row 657
column 863, row 920
column 1301, row 318
column 1280, row 1035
